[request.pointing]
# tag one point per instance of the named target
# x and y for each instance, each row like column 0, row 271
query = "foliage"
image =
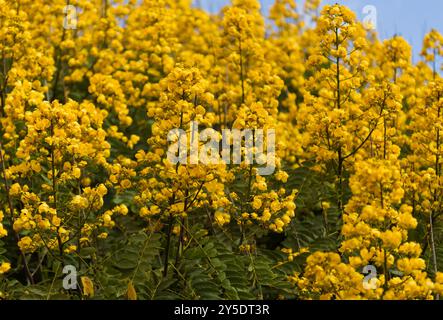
column 88, row 113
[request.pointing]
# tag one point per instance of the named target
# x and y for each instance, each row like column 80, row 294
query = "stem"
column 182, row 229
column 171, row 216
column 339, row 151
column 325, row 220
column 168, row 244
column 385, row 271
column 54, row 187
column 4, row 85
column 248, row 195
column 434, row 254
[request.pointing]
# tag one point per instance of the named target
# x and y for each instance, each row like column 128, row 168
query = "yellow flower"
column 102, row 190
column 126, row 184
column 26, row 244
column 14, row 190
column 391, row 239
column 5, row 267
column 88, row 286
column 325, row 205
column 256, row 204
column 70, row 249
column 102, row 235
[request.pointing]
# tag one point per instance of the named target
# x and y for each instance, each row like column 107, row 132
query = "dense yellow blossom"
column 120, row 153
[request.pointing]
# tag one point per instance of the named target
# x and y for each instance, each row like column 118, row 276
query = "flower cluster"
column 237, row 149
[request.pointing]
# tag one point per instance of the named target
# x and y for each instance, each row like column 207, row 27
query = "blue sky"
column 411, row 19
